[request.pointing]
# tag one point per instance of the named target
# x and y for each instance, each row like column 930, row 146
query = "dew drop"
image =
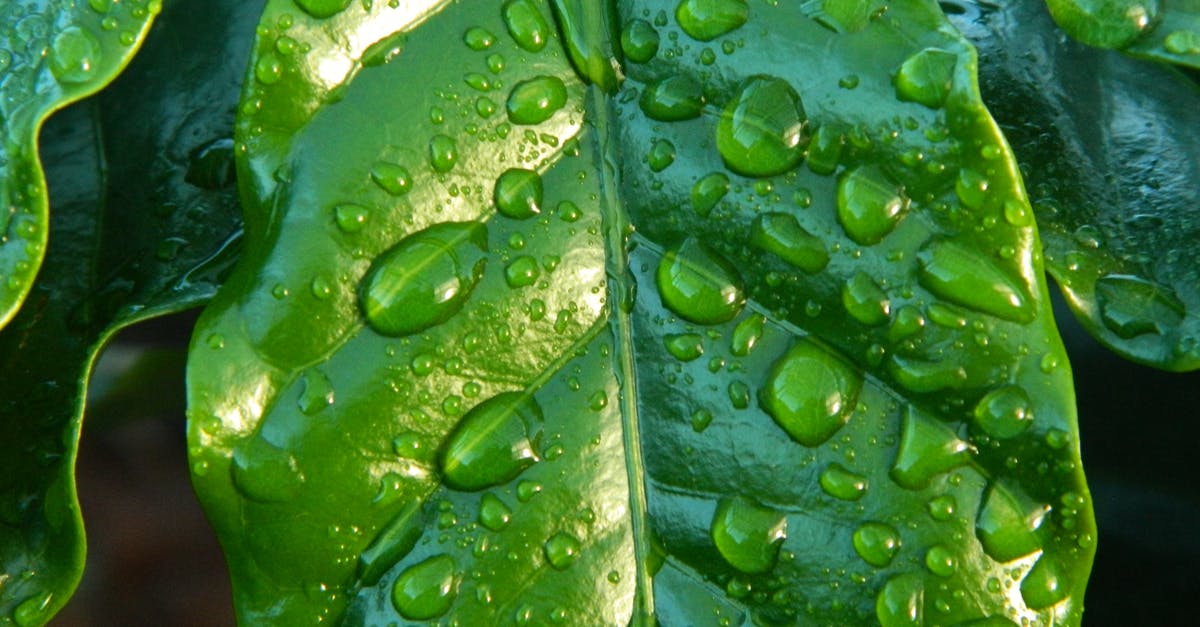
column 700, row 285
column 701, row 419
column 268, row 69
column 781, row 235
column 526, row 24
column 901, row 602
column 391, row 178
column 761, row 131
column 927, row 448
column 639, row 40
column 562, row 549
column 426, row 590
column 876, row 543
column 748, row 535
column 961, row 276
column 1108, row 24
column 494, row 443
column 673, row 99
column 746, row 335
column 478, row 38
column 1008, row 523
column 536, row 100
column 922, row 376
column 443, row 153
column 518, row 193
column 864, row 300
column 869, row 206
column 1004, row 412
column 1045, row 585
column 843, row 484
column 1183, row 42
column 1131, row 306
column 264, row 472
column 706, row 20
column 424, row 279
column 351, row 218
column 74, row 55
column 321, row 9
column 493, row 513
column 810, row 393
column 684, row 346
column 318, row 392
column 661, row 155
column 825, row 150
column 926, row 77
column 941, row 561
column 708, row 191
column 522, row 272
column 942, row 508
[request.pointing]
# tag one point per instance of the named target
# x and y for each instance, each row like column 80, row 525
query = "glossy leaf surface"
column 52, row 53
column 690, row 312
column 145, row 220
column 1162, row 30
column 1110, row 150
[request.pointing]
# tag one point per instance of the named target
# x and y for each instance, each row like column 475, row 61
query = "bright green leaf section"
column 758, row 335
column 52, row 53
column 1110, row 149
column 146, row 221
column 1162, row 30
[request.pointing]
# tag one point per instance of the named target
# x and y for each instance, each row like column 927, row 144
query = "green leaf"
column 750, row 329
column 52, row 53
column 1161, row 30
column 1111, row 155
column 146, row 222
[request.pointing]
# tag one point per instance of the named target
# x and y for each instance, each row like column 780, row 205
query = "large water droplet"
column 1004, row 412
column 394, row 541
column 493, row 513
column 522, row 272
column 746, row 335
column 864, row 300
column 876, row 543
column 810, row 393
column 926, row 77
column 74, row 55
column 927, row 448
column 920, row 376
column 781, row 235
column 391, row 178
column 518, row 193
column 708, row 191
column 748, row 535
column 869, row 206
column 640, row 41
column 1104, row 23
column 1045, row 585
column 536, row 100
column 761, row 131
column 841, row 483
column 493, row 443
column 673, row 99
column 901, row 602
column 1131, row 306
column 962, row 276
column 562, row 549
column 424, row 279
column 706, row 20
column 443, row 153
column 700, row 285
column 1008, row 522
column 825, row 150
column 941, row 561
column 526, row 24
column 427, row 590
column 264, row 472
column 322, row 8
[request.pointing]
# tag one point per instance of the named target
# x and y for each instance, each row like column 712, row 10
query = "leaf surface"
column 52, row 53
column 1111, row 156
column 680, row 312
column 146, row 221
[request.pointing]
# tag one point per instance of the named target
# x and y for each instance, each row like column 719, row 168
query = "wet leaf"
column 145, row 219
column 1161, row 30
column 52, row 53
column 741, row 321
column 1111, row 156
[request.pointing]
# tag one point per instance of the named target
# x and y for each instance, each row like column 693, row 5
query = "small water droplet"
column 522, row 272
column 1008, row 522
column 701, row 419
column 426, row 590
column 1046, row 584
column 684, row 346
column 876, row 543
column 841, row 483
column 1131, row 306
column 810, row 393
column 661, row 155
column 74, row 55
column 825, row 150
column 1004, row 412
column 761, row 131
column 746, row 335
column 708, row 191
column 526, row 24
column 941, row 561
column 493, row 513
column 706, row 20
column 317, row 394
column 781, row 235
column 700, row 285
column 351, row 218
column 639, row 40
column 536, row 100
column 748, row 535
column 926, row 77
column 562, row 549
column 675, row 98
column 494, row 443
column 864, row 300
column 391, row 178
column 443, row 153
column 927, row 448
column 1183, row 42
column 478, row 38
column 901, row 602
column 869, row 205
column 942, row 508
column 264, row 472
column 518, row 193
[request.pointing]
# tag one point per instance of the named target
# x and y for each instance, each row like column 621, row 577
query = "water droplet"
column 926, row 77
column 1183, row 42
column 264, row 472
column 536, row 100
column 684, row 346
column 869, row 206
column 427, row 590
column 673, row 99
column 746, row 335
column 518, row 193
column 964, row 277
column 33, row 610
column 825, row 150
column 941, row 561
column 1131, row 306
column 971, row 188
column 739, row 393
column 1008, row 522
column 351, row 218
column 810, row 393
column 876, row 543
column 927, row 448
column 478, row 38
column 942, row 508
column 1004, row 412
column 562, row 549
column 493, row 513
column 706, row 20
column 864, row 300
column 526, row 24
column 700, row 285
column 661, row 155
column 901, row 602
column 761, row 131
column 781, row 235
column 424, row 279
column 443, row 153
column 748, row 535
column 493, row 443
column 1017, row 213
column 74, row 55
column 318, row 392
column 268, row 69
column 1045, row 585
column 1109, row 24
column 701, row 418
column 708, row 191
column 321, row 9
column 391, row 178
column 640, row 41
column 394, row 541
column 522, row 272
column 841, row 483
column 908, row 322
column 922, row 376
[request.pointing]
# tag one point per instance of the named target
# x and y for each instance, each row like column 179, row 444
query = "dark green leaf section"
column 1111, row 156
column 1160, row 30
column 52, row 53
column 146, row 221
column 755, row 334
